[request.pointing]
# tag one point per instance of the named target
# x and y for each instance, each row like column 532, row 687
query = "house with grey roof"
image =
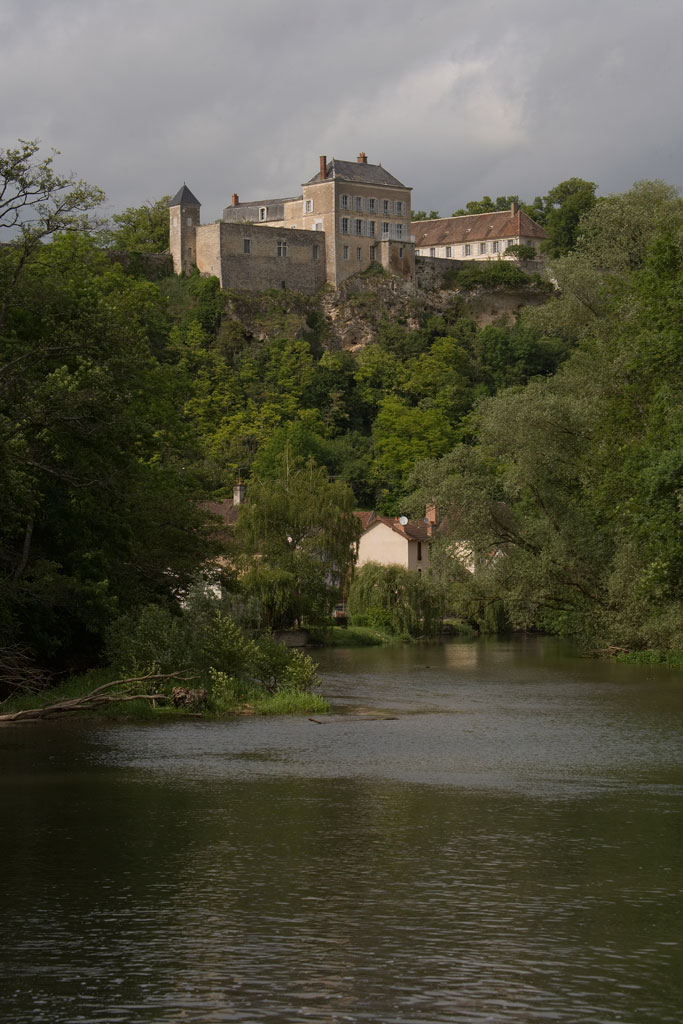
column 348, row 216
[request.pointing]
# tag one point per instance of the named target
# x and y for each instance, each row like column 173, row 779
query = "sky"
column 456, row 98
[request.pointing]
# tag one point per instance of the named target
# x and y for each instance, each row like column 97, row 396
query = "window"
column 400, row 208
column 372, row 205
column 346, row 252
column 189, row 222
column 399, row 231
column 359, row 253
column 358, row 227
column 494, row 246
column 385, row 227
column 482, row 248
column 419, row 543
column 318, row 226
column 344, row 202
column 246, row 246
column 371, row 228
column 372, row 252
column 467, row 250
column 344, row 225
column 449, row 251
column 432, row 252
column 309, row 206
column 358, row 202
column 262, row 213
column 386, row 206
column 508, row 243
column 400, row 252
column 282, row 248
column 316, row 252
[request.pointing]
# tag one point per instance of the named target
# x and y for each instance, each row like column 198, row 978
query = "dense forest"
column 552, row 446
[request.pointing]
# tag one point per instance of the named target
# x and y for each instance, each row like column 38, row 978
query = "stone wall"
column 302, row 269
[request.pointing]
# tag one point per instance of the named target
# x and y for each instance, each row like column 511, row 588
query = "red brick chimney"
column 235, row 199
column 323, row 168
column 431, row 518
column 361, row 158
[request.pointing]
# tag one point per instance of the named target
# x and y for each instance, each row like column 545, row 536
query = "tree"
column 423, row 215
column 35, row 203
column 141, row 228
column 393, row 598
column 296, row 536
column 565, row 205
column 486, row 205
column 571, row 495
column 96, row 513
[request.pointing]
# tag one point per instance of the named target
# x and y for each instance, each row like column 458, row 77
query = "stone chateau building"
column 349, row 215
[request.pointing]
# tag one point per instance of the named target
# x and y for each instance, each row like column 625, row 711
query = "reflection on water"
column 500, row 841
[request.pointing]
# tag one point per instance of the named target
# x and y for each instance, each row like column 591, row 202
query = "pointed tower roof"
column 184, row 197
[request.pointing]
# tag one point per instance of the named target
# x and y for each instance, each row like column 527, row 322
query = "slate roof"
column 364, row 174
column 185, row 197
column 476, row 227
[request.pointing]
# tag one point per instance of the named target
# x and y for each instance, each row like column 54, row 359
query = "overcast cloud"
column 458, row 98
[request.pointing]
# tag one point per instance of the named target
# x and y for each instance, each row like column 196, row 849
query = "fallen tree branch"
column 95, row 698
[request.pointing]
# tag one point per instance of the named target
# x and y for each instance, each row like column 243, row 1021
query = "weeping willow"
column 393, row 598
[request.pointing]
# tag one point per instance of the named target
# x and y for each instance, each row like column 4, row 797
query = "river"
column 482, row 831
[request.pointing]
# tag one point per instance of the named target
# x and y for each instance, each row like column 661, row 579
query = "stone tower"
column 184, row 221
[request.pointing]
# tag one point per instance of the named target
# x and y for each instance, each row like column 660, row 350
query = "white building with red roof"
column 477, row 236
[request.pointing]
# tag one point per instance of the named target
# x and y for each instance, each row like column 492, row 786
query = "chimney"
column 431, row 518
column 235, row 199
column 361, row 158
column 238, row 492
column 323, row 168
column 514, row 208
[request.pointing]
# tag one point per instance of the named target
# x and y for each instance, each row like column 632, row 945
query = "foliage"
column 486, row 205
column 96, row 514
column 491, row 274
column 204, row 641
column 521, row 252
column 571, row 496
column 296, row 534
column 565, row 205
column 392, row 598
column 423, row 215
column 140, row 228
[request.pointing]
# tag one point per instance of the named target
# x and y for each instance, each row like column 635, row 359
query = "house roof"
column 263, row 202
column 476, row 227
column 185, row 198
column 414, row 529
column 224, row 508
column 361, row 173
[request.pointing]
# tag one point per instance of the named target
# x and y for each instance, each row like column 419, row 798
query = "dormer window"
column 262, row 212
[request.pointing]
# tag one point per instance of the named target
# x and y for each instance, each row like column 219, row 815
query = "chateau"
column 349, row 215
column 477, row 236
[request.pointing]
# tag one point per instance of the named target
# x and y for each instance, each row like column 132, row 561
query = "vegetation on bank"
column 550, row 446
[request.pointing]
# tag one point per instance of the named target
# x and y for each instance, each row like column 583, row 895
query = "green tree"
column 36, row 202
column 423, row 215
column 96, row 513
column 296, row 537
column 565, row 205
column 141, row 228
column 393, row 598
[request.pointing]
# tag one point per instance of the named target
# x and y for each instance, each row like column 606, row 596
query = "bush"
column 210, row 646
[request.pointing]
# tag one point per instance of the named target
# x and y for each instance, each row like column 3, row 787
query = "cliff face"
column 349, row 317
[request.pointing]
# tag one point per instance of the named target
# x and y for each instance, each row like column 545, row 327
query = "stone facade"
column 348, row 216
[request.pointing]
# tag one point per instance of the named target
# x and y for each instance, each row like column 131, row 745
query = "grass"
column 353, row 636
column 673, row 659
column 252, row 700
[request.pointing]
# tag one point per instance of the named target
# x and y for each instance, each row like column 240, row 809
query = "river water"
column 481, row 832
